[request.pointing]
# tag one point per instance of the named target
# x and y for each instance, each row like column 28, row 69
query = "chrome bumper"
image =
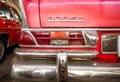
column 62, row 69
column 38, row 54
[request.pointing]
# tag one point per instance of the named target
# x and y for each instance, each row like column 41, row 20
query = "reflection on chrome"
column 109, row 43
column 118, row 45
column 38, row 54
column 85, row 71
column 90, row 37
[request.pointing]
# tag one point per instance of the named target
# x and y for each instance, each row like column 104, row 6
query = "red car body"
column 9, row 26
column 78, row 28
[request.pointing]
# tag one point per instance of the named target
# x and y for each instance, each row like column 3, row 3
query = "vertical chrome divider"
column 62, row 70
column 24, row 18
column 118, row 45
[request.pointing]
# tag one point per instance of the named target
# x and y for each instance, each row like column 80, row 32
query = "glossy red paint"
column 92, row 13
column 32, row 12
column 72, row 13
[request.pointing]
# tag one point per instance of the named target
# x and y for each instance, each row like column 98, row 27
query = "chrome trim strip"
column 36, row 43
column 53, row 53
column 57, row 46
column 118, row 46
column 70, row 29
column 84, row 37
column 78, row 71
column 82, row 3
column 24, row 18
column 109, row 52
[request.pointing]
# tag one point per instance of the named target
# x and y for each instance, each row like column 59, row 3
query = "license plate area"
column 59, row 42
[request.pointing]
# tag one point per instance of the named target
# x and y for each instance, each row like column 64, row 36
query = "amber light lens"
column 59, row 38
column 59, row 35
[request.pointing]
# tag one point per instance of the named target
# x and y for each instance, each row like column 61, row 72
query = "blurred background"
column 14, row 3
column 5, row 66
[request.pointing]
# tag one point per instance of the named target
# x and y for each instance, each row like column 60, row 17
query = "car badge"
column 64, row 19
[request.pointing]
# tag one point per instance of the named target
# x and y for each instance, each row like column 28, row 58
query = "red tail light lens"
column 76, row 38
column 25, row 39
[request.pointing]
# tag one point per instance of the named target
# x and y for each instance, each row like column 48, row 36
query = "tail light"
column 59, row 38
column 25, row 38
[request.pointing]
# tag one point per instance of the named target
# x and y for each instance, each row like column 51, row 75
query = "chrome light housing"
column 109, row 43
column 90, row 37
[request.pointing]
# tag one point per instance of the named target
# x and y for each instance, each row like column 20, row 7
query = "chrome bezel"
column 62, row 30
column 101, row 44
column 90, row 37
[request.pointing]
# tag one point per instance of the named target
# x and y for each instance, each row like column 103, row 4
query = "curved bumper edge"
column 45, row 71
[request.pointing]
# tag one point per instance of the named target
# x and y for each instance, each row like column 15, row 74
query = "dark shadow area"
column 11, row 48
